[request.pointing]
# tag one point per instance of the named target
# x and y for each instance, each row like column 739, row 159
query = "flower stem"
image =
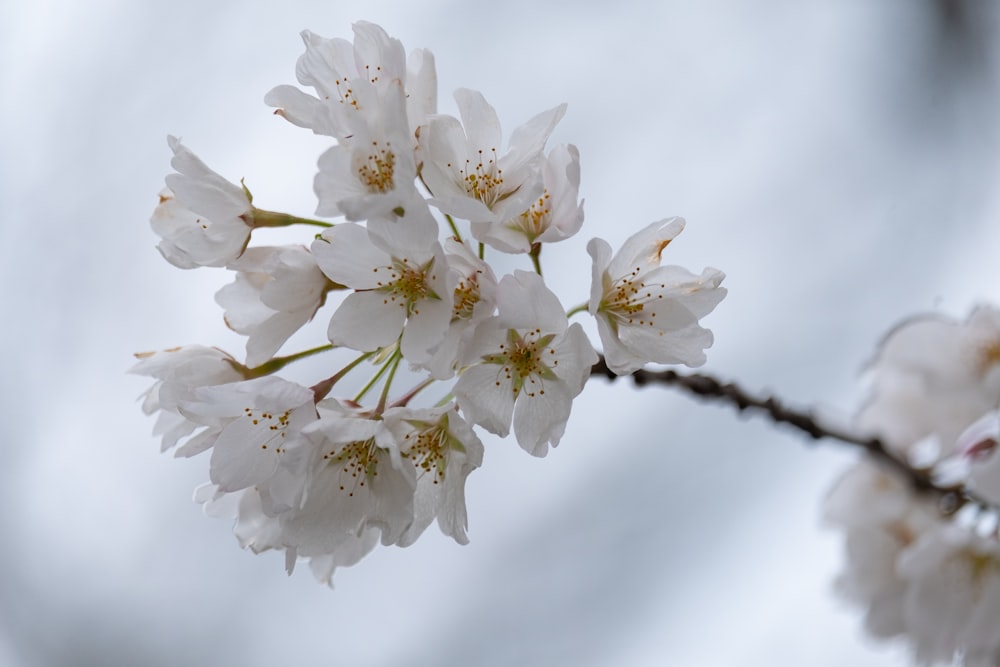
column 262, row 218
column 454, row 227
column 321, row 389
column 276, row 364
column 408, row 396
column 392, row 365
column 581, row 308
column 535, row 254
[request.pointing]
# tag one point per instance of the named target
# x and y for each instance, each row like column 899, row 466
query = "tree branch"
column 951, row 498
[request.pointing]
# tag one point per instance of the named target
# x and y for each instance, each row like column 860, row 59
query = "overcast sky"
column 837, row 159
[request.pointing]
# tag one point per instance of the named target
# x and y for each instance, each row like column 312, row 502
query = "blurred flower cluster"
column 420, row 199
column 929, row 576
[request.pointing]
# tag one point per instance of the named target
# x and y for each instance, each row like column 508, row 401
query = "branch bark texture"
column 951, row 498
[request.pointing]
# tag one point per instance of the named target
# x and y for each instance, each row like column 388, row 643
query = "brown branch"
column 951, row 498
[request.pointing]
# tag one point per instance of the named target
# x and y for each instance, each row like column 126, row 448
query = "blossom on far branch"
column 935, row 385
column 646, row 312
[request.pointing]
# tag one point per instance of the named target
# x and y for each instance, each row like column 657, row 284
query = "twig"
column 951, row 498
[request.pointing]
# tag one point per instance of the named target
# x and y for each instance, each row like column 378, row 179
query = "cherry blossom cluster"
column 418, row 200
column 930, row 577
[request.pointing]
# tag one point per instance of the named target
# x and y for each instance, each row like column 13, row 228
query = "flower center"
column 377, row 170
column 522, row 361
column 407, row 285
column 358, row 461
column 427, row 450
column 533, row 222
column 466, row 297
column 626, row 299
column 273, row 427
column 483, row 180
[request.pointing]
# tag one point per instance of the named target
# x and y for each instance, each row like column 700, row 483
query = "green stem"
column 535, row 254
column 445, row 400
column 393, row 365
column 321, row 389
column 582, row 308
column 262, row 218
column 482, row 251
column 454, row 227
column 407, row 397
column 375, row 378
column 276, row 364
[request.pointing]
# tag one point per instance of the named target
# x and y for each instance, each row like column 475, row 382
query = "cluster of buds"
column 419, row 198
column 922, row 572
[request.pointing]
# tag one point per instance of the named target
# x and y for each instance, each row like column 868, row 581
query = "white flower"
column 933, row 377
column 881, row 518
column 399, row 289
column 259, row 440
column 357, row 481
column 979, row 445
column 554, row 216
column 475, row 301
column 178, row 371
column 372, row 171
column 203, row 219
column 346, row 77
column 529, row 366
column 465, row 170
column 443, row 450
column 953, row 595
column 646, row 312
column 276, row 291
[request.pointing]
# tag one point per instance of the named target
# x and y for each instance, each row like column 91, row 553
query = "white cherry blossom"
column 443, row 449
column 646, row 312
column 554, row 216
column 259, row 426
column 528, row 366
column 933, row 377
column 202, row 219
column 356, row 481
column 178, row 371
column 467, row 172
column 475, row 301
column 979, row 444
column 347, row 79
column 400, row 289
column 275, row 292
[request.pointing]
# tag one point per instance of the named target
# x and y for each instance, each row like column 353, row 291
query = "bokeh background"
column 837, row 158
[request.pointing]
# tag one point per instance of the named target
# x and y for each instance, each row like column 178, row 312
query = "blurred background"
column 838, row 159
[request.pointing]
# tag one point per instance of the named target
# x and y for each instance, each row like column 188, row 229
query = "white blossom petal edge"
column 648, row 313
